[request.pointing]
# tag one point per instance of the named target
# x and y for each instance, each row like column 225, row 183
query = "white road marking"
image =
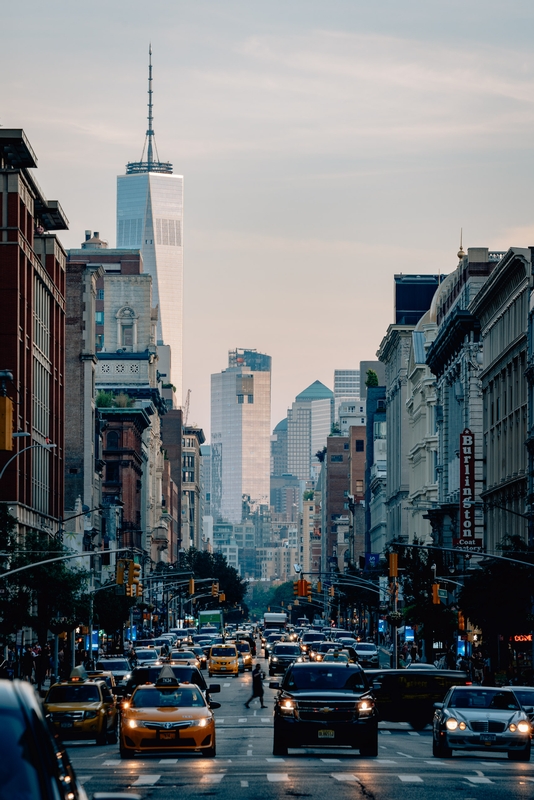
column 438, row 763
column 385, row 733
column 345, row 776
column 384, row 761
column 403, row 723
column 84, row 778
column 244, row 784
column 112, row 762
column 410, row 778
column 146, row 780
column 226, row 684
column 241, row 720
column 331, row 760
column 275, row 777
column 249, row 752
column 413, row 733
column 169, row 761
column 212, row 777
column 406, row 755
column 479, row 779
column 219, row 721
column 275, row 760
column 265, row 719
column 478, row 772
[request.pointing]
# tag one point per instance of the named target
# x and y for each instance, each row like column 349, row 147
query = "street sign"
column 442, row 594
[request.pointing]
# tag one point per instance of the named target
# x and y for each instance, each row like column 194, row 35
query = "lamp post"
column 46, row 446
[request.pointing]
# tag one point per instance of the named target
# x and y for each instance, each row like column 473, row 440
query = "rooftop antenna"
column 461, row 252
column 151, row 164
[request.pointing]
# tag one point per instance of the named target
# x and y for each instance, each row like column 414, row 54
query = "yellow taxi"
column 223, row 660
column 167, row 716
column 82, row 707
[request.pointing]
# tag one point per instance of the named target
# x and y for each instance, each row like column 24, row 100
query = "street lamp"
column 47, row 446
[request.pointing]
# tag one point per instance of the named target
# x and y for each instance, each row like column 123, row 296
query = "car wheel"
column 520, row 755
column 440, row 750
column 112, row 736
column 102, row 738
column 279, row 746
column 124, row 753
column 370, row 748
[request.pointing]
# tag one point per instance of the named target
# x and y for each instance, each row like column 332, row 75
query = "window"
column 346, row 446
column 359, row 487
column 127, row 335
column 250, row 398
column 240, row 399
column 99, row 317
column 100, row 294
column 113, row 440
column 112, row 473
column 359, row 445
column 336, row 458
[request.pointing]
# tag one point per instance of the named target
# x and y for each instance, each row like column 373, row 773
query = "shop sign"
column 521, row 637
column 466, row 527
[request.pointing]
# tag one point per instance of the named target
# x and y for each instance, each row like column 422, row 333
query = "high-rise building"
column 346, row 387
column 150, row 202
column 309, row 421
column 240, row 435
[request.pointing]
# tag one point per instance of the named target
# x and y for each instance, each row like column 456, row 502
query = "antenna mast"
column 150, row 131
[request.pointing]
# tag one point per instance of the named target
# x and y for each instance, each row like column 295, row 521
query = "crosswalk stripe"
column 244, row 784
column 226, row 684
column 265, row 719
column 331, row 760
column 110, row 762
column 168, row 761
column 242, row 719
column 212, row 777
column 384, row 761
column 146, row 780
column 84, row 778
column 437, row 763
column 275, row 760
column 345, row 776
column 413, row 733
column 478, row 779
column 385, row 733
column 410, row 778
column 406, row 755
column 276, row 777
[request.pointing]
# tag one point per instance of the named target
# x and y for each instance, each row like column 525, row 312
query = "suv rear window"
column 73, row 694
column 327, row 677
column 223, row 652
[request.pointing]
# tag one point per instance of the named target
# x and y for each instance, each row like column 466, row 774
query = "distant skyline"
column 325, row 146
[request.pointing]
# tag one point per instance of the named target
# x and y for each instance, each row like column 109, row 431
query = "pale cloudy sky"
column 326, row 145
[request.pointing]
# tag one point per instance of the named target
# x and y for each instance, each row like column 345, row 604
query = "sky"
column 325, row 146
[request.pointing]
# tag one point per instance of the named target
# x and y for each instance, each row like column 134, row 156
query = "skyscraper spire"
column 151, row 164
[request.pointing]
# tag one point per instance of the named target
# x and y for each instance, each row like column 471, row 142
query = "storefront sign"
column 466, row 526
column 521, row 637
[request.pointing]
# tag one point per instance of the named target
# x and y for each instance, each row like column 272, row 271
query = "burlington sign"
column 466, row 526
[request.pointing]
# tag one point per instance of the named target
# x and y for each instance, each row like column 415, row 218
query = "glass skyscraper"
column 150, row 203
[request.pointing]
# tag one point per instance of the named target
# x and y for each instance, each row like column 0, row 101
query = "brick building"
column 32, row 337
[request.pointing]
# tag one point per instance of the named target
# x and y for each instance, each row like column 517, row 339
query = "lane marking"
column 169, row 761
column 331, row 760
column 112, row 762
column 345, row 776
column 84, row 778
column 413, row 733
column 385, row 733
column 406, row 755
column 384, row 761
column 249, row 752
column 226, row 684
column 146, row 780
column 275, row 760
column 438, row 763
column 213, row 777
column 479, row 779
column 410, row 778
column 277, row 777
column 241, row 720
column 244, row 784
column 265, row 719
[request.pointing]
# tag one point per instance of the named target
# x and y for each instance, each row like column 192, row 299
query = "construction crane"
column 186, row 407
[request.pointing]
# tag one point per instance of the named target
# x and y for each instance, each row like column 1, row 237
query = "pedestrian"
column 27, row 664
column 257, row 686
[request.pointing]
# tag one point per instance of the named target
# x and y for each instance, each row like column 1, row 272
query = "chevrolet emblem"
column 325, row 710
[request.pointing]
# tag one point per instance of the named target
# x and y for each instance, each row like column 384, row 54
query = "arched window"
column 113, row 440
column 126, row 329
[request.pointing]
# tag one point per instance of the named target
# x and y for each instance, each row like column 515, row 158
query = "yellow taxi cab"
column 223, row 660
column 246, row 653
column 82, row 707
column 167, row 716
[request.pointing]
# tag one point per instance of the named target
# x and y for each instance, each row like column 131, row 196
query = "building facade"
column 309, row 422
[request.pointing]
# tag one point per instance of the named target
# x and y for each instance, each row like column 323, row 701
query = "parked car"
column 322, row 705
column 481, row 718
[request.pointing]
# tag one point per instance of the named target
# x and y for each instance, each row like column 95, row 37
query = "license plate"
column 223, row 668
column 167, row 734
column 488, row 738
column 326, row 734
column 67, row 725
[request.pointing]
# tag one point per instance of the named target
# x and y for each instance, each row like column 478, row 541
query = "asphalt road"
column 245, row 767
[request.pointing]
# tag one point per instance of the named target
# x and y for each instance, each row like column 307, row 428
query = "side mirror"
column 274, row 684
column 213, row 688
column 437, row 706
column 213, row 704
column 377, row 687
column 528, row 709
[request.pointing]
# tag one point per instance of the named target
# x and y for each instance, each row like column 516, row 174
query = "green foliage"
column 37, row 595
column 372, row 378
column 335, row 430
column 308, row 495
column 104, row 399
column 111, row 610
column 321, row 455
column 110, row 400
column 214, row 565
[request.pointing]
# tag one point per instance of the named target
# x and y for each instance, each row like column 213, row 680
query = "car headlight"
column 299, row 659
column 365, row 706
column 287, row 706
column 90, row 714
column 127, row 676
column 202, row 723
column 451, row 724
column 318, row 657
column 274, row 658
column 522, row 727
column 132, row 723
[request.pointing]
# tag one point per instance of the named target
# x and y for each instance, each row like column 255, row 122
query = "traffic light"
column 222, row 597
column 215, row 589
column 191, row 586
column 319, row 586
column 435, row 594
column 303, row 587
column 296, row 588
column 309, row 591
column 393, row 565
column 134, row 575
column 122, row 565
column 131, row 591
column 461, row 621
column 6, row 423
column 331, row 591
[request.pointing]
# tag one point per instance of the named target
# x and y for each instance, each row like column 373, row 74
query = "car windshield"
column 223, row 652
column 362, row 647
column 113, row 666
column 147, row 654
column 483, row 698
column 286, row 650
column 243, row 647
column 79, row 693
column 313, row 637
column 525, row 696
column 183, row 654
column 274, row 637
column 162, row 698
column 327, row 678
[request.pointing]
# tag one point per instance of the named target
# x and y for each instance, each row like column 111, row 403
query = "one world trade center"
column 150, row 202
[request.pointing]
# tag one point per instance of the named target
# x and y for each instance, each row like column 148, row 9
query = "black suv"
column 322, row 705
column 282, row 656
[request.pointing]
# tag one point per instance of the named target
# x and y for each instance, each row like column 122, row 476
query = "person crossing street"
column 257, row 686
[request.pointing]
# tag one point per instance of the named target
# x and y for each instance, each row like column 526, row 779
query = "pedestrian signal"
column 435, row 594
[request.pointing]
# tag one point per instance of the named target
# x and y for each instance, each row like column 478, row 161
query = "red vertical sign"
column 466, row 522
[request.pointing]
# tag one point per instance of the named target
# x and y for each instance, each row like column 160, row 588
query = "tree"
column 372, row 378
column 321, row 455
column 214, row 565
column 497, row 598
